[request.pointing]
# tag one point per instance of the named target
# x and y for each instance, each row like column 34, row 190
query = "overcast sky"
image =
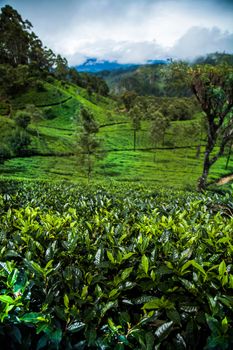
column 130, row 31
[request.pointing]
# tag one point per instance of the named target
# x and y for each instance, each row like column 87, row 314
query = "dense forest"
column 104, row 241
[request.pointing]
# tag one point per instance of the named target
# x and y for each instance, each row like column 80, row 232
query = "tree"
column 14, row 136
column 88, row 143
column 61, row 68
column 14, row 37
column 135, row 114
column 128, row 98
column 159, row 124
column 19, row 45
column 22, row 119
column 180, row 109
column 175, row 81
column 213, row 88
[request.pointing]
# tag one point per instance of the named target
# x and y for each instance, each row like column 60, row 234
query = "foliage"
column 49, row 113
column 114, row 268
column 87, row 143
column 18, row 43
column 213, row 88
column 22, row 119
column 159, row 125
column 14, row 137
column 148, row 80
column 135, row 114
column 215, row 59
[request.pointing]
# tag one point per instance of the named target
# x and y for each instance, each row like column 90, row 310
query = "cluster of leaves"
column 173, row 108
column 114, row 268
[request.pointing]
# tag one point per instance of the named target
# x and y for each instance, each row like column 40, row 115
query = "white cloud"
column 121, row 51
column 200, row 41
column 130, row 30
column 195, row 42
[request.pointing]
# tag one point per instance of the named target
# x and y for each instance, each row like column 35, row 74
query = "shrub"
column 22, row 119
column 49, row 113
column 114, row 269
column 40, row 86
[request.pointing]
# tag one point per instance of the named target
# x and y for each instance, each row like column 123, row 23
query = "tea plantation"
column 114, row 267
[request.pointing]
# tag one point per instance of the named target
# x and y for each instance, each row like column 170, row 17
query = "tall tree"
column 88, row 143
column 61, row 68
column 135, row 115
column 19, row 45
column 14, row 37
column 213, row 88
column 159, row 124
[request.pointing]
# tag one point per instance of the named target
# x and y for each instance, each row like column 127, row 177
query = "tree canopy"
column 213, row 88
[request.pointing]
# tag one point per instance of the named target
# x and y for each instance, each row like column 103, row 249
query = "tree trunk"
column 89, row 167
column 202, row 181
column 134, row 140
column 229, row 155
column 198, row 151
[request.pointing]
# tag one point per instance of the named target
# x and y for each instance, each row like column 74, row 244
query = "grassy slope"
column 174, row 168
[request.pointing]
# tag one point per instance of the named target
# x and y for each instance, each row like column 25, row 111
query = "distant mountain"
column 93, row 65
column 145, row 80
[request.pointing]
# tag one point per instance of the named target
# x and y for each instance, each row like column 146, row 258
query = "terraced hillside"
column 52, row 152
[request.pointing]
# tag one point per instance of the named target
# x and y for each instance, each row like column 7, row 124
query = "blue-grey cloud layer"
column 130, row 30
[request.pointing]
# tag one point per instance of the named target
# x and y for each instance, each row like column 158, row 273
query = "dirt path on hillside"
column 224, row 180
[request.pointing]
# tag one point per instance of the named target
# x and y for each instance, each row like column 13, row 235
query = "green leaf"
column 75, row 327
column 12, row 278
column 174, row 316
column 21, row 282
column 113, row 293
column 127, row 256
column 123, row 339
column 98, row 256
column 163, row 331
column 149, row 340
column 179, row 342
column 222, row 268
column 32, row 317
column 37, row 268
column 213, row 324
column 42, row 342
column 153, row 304
column 110, row 256
column 56, row 336
column 194, row 264
column 227, row 300
column 84, row 292
column 225, row 325
column 189, row 286
column 125, row 274
column 108, row 306
column 145, row 263
column 66, row 301
column 6, row 299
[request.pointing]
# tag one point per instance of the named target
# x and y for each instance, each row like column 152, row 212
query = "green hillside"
column 153, row 132
column 53, row 142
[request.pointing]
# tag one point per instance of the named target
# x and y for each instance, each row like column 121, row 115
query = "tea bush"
column 114, row 267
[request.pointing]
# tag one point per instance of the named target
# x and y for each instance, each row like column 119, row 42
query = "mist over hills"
column 94, row 65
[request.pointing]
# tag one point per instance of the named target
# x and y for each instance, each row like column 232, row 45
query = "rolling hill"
column 52, row 151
